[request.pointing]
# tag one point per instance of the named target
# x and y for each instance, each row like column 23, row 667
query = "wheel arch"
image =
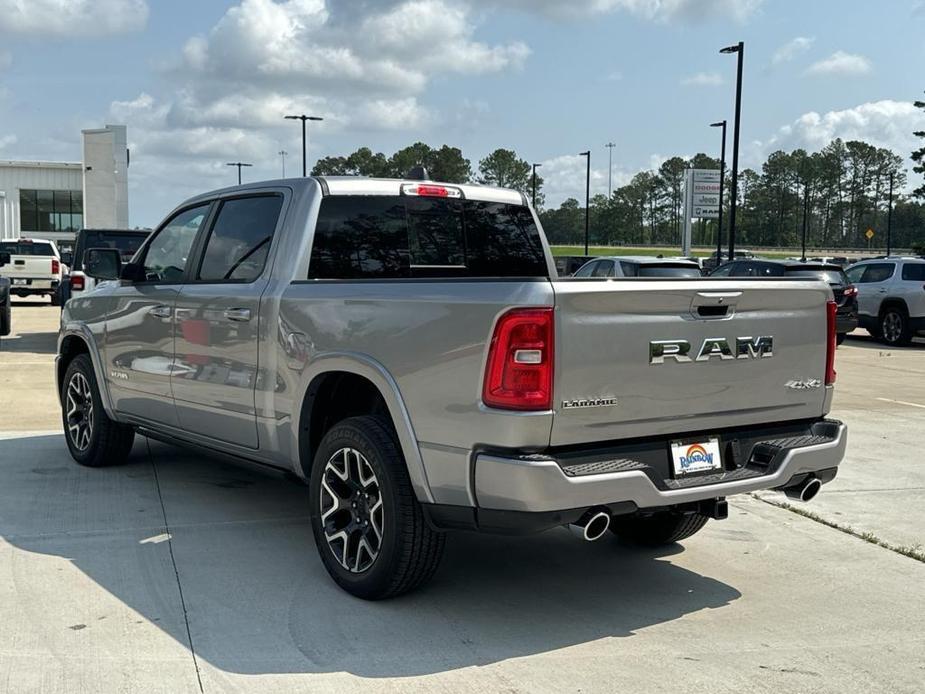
column 893, row 302
column 75, row 340
column 325, row 383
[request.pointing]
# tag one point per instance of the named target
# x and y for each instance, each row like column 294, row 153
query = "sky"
column 203, row 83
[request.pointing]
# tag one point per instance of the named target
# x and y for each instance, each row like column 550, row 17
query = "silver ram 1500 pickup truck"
column 407, row 349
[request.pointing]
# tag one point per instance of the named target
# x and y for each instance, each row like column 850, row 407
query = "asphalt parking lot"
column 178, row 573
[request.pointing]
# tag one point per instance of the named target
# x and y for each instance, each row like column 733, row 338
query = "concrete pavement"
column 178, row 572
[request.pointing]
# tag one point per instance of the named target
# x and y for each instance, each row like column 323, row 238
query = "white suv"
column 891, row 297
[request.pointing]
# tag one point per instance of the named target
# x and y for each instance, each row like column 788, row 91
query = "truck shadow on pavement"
column 33, row 343
column 257, row 598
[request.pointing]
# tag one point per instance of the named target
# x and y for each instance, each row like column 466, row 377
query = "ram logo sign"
column 718, row 347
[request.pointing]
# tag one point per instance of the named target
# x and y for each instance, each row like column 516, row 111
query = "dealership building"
column 53, row 200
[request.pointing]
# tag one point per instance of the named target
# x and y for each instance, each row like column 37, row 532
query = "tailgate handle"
column 712, row 311
column 715, row 305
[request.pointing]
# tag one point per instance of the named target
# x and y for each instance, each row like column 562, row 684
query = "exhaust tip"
column 592, row 526
column 810, row 489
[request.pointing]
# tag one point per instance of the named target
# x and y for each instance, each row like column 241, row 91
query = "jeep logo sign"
column 680, row 350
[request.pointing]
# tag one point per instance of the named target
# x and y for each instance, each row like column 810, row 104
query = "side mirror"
column 133, row 272
column 4, row 259
column 103, row 263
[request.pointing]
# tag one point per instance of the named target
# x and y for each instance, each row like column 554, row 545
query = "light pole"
column 610, row 146
column 889, row 221
column 239, row 164
column 535, row 167
column 587, row 197
column 739, row 48
column 302, row 117
column 722, row 183
column 805, row 217
column 282, row 158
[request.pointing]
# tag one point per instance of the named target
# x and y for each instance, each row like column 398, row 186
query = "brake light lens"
column 518, row 375
column 55, row 266
column 831, row 309
column 77, row 282
column 430, row 191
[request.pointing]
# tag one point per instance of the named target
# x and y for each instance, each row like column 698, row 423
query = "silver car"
column 891, row 297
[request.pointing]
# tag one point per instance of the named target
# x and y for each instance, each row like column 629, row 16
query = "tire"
column 840, row 338
column 377, row 491
column 894, row 327
column 93, row 439
column 55, row 299
column 6, row 319
column 662, row 528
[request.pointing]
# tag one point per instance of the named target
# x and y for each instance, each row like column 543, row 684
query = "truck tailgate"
column 610, row 381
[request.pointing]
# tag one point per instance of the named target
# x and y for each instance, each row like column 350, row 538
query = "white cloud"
column 72, row 18
column 653, row 10
column 613, row 76
column 564, row 177
column 841, row 63
column 703, row 79
column 881, row 123
column 6, row 141
column 793, row 48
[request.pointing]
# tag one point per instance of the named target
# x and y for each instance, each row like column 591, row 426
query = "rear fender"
column 376, row 373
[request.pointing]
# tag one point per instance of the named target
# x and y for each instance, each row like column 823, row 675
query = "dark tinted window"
column 629, row 269
column 604, row 268
column 385, row 236
column 724, row 270
column 26, row 248
column 914, row 271
column 877, row 272
column 360, row 237
column 669, row 271
column 240, row 239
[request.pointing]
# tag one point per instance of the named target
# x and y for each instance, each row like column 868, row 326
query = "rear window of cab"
column 388, row 237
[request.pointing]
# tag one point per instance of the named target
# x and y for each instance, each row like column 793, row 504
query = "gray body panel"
column 238, row 385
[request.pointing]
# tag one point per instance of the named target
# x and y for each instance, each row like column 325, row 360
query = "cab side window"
column 168, row 252
column 240, row 239
column 604, row 269
column 586, row 270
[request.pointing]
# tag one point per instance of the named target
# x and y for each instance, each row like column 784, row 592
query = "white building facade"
column 54, row 200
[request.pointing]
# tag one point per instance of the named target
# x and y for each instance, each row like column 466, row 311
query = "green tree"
column 505, row 169
column 918, row 156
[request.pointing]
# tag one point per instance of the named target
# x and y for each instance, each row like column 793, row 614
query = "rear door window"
column 588, row 269
column 239, row 241
column 383, row 237
column 914, row 271
column 877, row 272
column 604, row 269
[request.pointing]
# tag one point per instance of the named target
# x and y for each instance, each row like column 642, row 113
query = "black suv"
column 846, row 295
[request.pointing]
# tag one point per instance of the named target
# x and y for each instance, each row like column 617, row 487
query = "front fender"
column 363, row 365
column 82, row 332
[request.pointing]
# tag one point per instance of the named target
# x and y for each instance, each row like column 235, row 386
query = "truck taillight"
column 831, row 309
column 851, row 291
column 55, row 266
column 77, row 283
column 518, row 375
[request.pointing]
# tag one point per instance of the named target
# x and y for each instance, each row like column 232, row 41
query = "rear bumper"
column 846, row 320
column 541, row 483
column 33, row 286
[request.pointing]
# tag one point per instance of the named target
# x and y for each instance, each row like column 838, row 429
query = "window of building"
column 240, row 240
column 50, row 210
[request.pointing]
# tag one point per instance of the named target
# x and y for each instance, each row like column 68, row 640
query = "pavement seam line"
column 173, row 561
column 915, row 552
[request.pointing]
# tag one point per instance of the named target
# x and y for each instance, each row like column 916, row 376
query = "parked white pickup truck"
column 35, row 268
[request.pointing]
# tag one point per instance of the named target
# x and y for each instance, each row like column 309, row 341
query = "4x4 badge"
column 804, row 385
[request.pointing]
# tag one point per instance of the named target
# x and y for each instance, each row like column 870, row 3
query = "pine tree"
column 918, row 156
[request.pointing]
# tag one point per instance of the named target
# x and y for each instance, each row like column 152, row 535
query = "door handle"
column 161, row 311
column 240, row 315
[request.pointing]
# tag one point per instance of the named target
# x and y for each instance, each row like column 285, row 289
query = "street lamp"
column 239, row 164
column 535, row 167
column 722, row 182
column 610, row 146
column 282, row 157
column 587, row 196
column 302, row 117
column 739, row 48
column 889, row 221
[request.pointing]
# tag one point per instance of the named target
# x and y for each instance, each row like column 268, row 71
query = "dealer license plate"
column 689, row 457
column 20, row 281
